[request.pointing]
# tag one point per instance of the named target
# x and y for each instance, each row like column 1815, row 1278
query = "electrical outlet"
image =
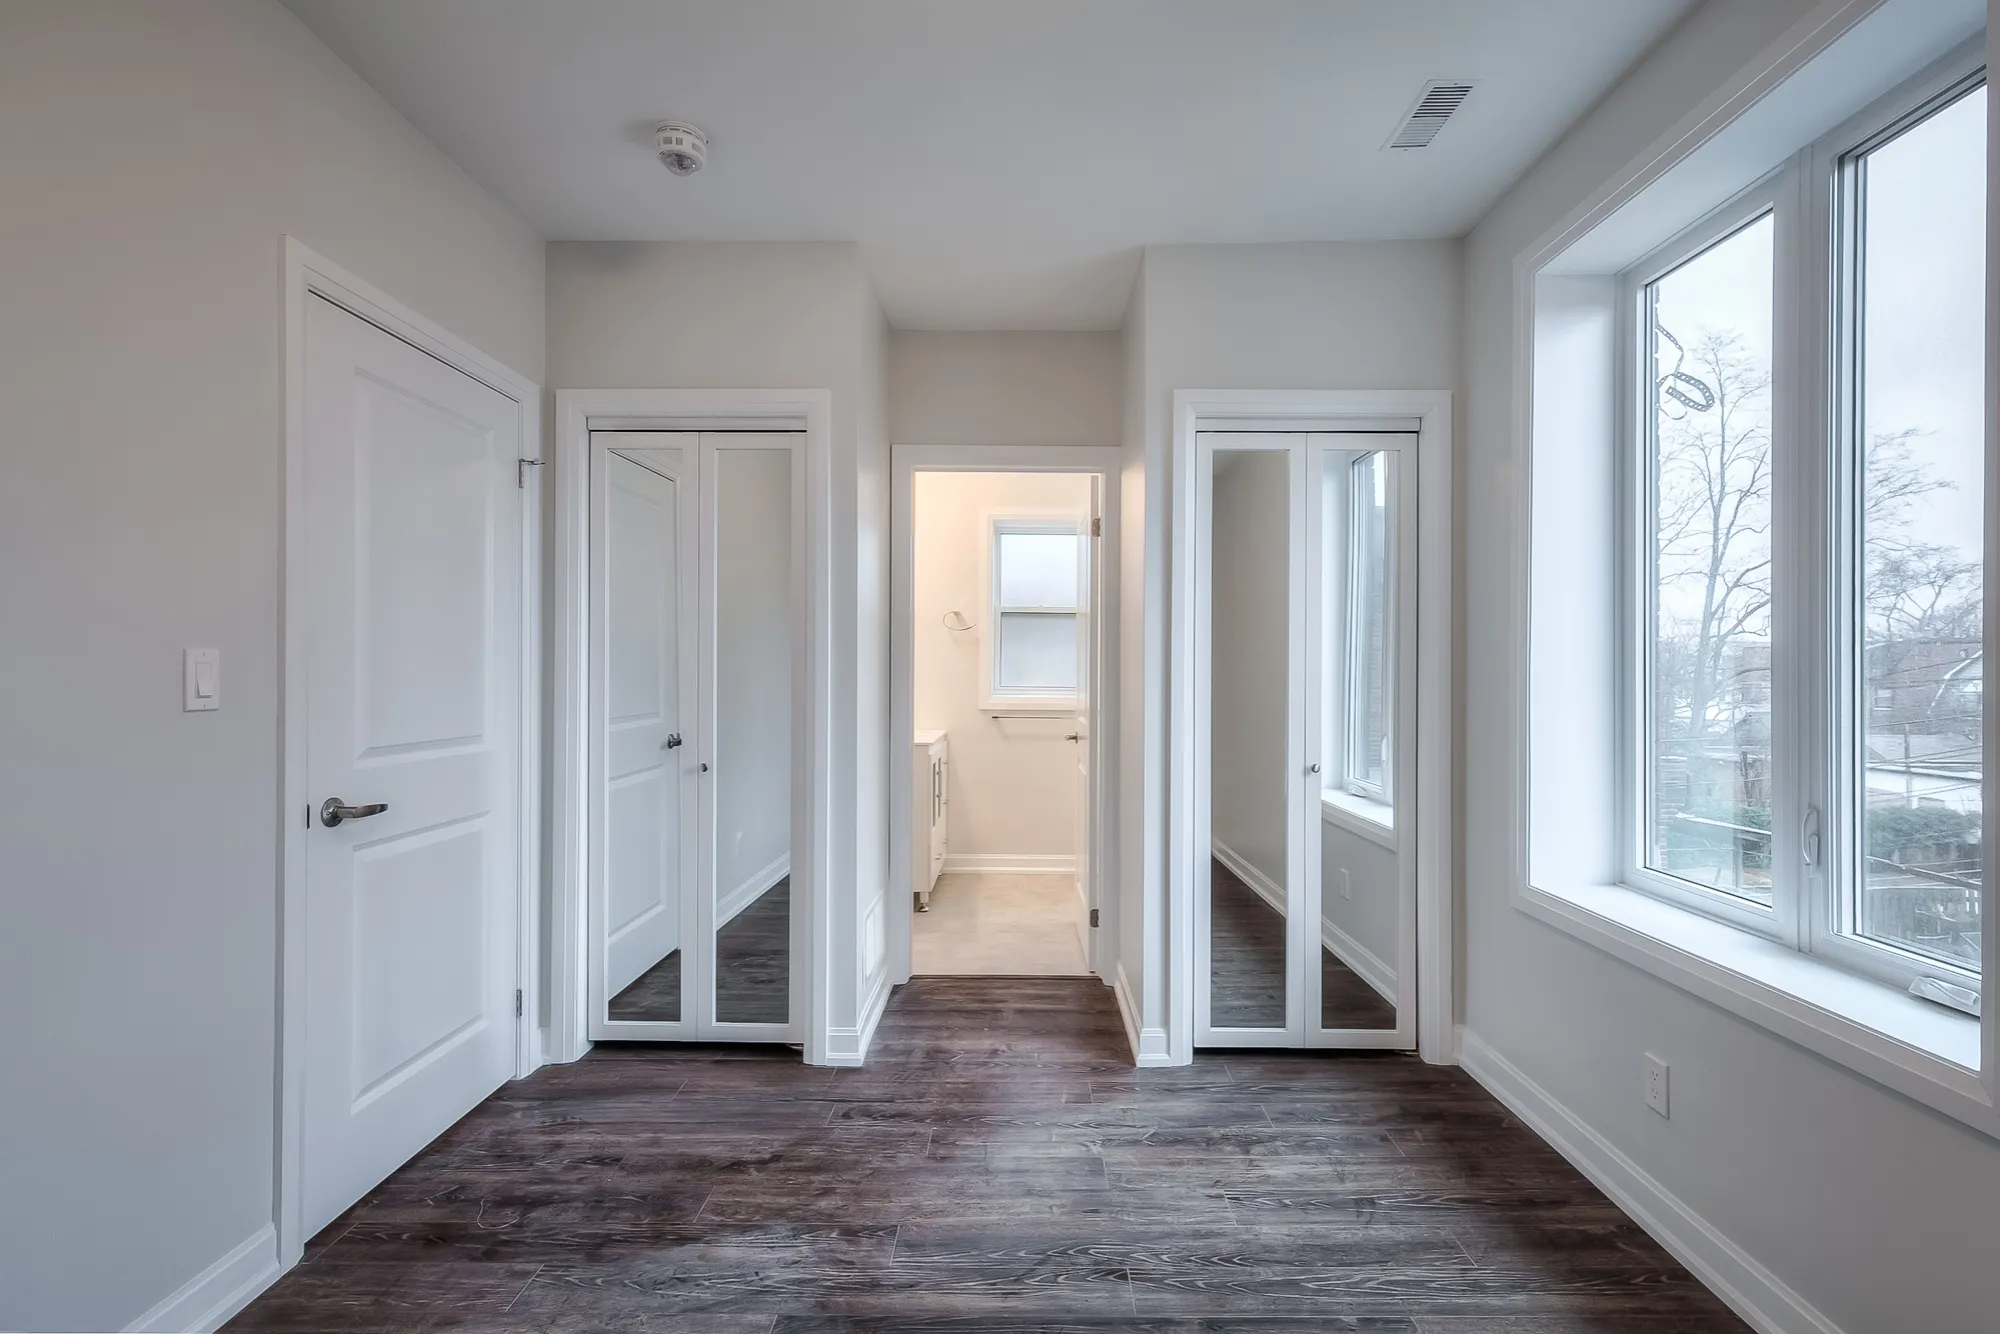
column 1656, row 1084
column 1346, row 884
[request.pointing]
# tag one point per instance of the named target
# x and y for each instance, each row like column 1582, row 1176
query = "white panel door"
column 413, row 533
column 644, row 772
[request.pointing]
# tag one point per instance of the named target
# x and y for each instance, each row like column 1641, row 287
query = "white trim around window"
column 1794, row 971
column 1807, row 859
column 997, row 696
column 1638, row 345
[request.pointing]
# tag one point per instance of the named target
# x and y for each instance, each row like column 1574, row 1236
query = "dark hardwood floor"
column 753, row 961
column 753, row 967
column 1247, row 966
column 654, row 995
column 998, row 1166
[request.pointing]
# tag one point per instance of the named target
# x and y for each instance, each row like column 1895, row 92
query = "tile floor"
column 1002, row 926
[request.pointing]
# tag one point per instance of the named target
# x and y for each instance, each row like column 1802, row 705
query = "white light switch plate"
column 201, row 680
column 1656, row 1083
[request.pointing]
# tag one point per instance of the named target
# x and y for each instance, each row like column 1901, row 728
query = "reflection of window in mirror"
column 1359, row 604
column 1036, row 601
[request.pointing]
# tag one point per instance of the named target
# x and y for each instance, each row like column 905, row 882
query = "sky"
column 1926, row 306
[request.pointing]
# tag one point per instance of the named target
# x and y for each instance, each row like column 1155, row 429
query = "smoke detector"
column 681, row 146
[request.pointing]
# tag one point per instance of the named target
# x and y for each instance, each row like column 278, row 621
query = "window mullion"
column 1829, row 501
column 1800, row 626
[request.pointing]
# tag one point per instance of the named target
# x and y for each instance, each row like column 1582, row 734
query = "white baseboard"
column 1751, row 1290
column 1008, row 863
column 1262, row 885
column 218, row 1292
column 1149, row 1045
column 1364, row 962
column 848, row 1047
column 752, row 889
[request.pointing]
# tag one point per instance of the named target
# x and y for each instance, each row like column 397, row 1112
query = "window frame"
column 1840, row 736
column 1819, row 698
column 1636, row 557
column 995, row 699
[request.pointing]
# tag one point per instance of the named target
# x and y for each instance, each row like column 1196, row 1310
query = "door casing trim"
column 306, row 274
column 578, row 413
column 907, row 461
column 1316, row 410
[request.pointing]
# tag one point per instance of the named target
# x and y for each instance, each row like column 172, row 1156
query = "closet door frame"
column 818, row 962
column 1426, row 710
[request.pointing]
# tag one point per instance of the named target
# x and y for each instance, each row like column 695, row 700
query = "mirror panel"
column 1364, row 892
column 751, row 782
column 642, row 913
column 1249, row 792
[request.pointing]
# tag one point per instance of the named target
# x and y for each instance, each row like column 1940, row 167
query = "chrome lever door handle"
column 332, row 811
column 672, row 742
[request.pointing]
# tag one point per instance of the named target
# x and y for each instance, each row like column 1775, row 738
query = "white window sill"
column 1054, row 706
column 1373, row 820
column 1921, row 1050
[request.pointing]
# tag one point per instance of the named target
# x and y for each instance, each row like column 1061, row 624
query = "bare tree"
column 1713, row 517
column 1712, row 535
column 1914, row 589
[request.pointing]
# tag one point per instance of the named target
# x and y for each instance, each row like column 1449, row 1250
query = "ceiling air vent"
column 1434, row 107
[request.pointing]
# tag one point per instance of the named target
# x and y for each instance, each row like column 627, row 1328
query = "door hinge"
column 521, row 467
column 1093, row 917
column 1096, row 527
column 517, row 1004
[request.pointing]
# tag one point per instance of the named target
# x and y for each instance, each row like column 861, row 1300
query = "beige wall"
column 155, row 157
column 1013, row 780
column 1005, row 388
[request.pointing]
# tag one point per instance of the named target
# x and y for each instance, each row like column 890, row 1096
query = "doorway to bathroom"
column 1001, row 675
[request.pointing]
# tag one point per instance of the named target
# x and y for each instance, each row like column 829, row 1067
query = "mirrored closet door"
column 1305, row 904
column 694, row 606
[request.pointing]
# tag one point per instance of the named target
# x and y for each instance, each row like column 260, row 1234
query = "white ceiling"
column 999, row 163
